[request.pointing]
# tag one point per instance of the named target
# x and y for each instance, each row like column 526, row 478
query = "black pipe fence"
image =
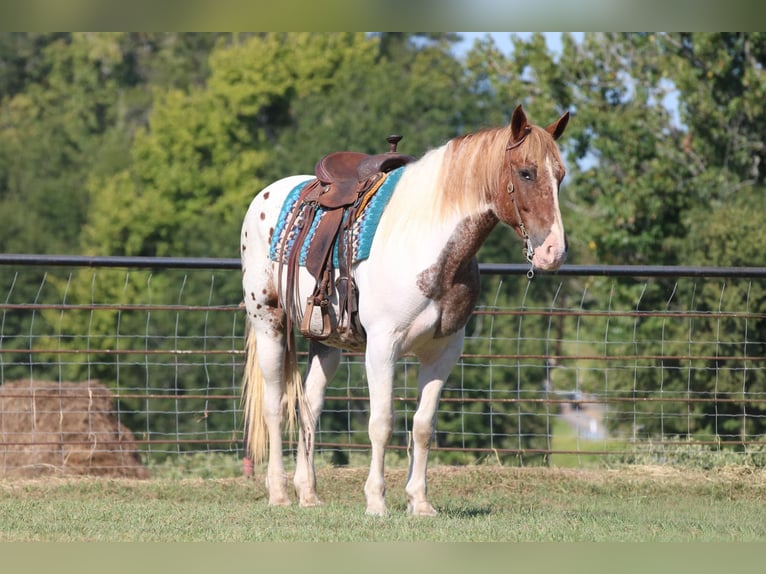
column 9, row 259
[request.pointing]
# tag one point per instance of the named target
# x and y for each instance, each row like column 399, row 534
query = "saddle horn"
column 393, row 140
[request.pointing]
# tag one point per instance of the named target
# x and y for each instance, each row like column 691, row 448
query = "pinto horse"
column 416, row 292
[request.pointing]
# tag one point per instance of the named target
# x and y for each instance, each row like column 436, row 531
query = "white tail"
column 256, row 436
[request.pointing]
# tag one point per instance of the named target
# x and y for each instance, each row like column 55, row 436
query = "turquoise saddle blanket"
column 363, row 228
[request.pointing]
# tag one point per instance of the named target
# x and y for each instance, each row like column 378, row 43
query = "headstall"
column 528, row 250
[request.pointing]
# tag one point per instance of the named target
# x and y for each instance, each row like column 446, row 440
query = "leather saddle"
column 346, row 174
column 343, row 180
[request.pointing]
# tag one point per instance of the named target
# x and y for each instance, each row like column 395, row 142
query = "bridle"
column 528, row 250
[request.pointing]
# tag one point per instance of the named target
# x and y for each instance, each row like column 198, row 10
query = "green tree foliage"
column 69, row 106
column 727, row 235
column 721, row 84
column 203, row 155
column 394, row 86
column 68, row 114
column 155, row 143
column 648, row 187
column 722, row 87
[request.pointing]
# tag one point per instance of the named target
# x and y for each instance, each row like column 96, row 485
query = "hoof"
column 279, row 501
column 421, row 509
column 376, row 510
column 311, row 502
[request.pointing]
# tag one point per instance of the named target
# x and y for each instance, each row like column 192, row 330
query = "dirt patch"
column 51, row 428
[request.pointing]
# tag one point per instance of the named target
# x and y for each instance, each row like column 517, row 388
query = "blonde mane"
column 471, row 168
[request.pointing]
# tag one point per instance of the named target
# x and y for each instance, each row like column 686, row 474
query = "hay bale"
column 64, row 429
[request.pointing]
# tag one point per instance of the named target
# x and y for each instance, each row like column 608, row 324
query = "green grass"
column 476, row 503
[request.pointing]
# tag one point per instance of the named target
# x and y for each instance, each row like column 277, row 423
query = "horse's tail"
column 253, row 383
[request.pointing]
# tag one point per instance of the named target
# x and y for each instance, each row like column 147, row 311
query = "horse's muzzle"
column 552, row 253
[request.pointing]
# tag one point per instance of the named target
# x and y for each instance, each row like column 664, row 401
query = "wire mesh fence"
column 110, row 365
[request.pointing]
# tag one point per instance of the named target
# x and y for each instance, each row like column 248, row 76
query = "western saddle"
column 344, row 183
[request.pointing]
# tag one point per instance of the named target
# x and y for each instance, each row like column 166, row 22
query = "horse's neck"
column 425, row 223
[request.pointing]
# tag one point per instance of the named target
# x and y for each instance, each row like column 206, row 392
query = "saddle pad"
column 364, row 227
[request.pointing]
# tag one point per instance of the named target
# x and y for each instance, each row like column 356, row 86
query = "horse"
column 416, row 291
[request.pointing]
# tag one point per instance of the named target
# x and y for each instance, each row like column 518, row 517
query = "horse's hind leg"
column 322, row 364
column 267, row 324
column 271, row 352
column 434, row 368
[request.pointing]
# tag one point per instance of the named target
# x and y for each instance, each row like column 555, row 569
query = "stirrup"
column 318, row 319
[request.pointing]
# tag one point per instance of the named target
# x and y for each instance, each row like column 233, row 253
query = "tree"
column 69, row 105
column 155, row 143
column 721, row 84
column 722, row 87
column 397, row 85
column 202, row 157
column 645, row 188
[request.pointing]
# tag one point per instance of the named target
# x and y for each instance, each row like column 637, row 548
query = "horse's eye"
column 527, row 174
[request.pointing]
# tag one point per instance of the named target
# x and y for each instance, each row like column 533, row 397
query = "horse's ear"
column 518, row 123
column 557, row 128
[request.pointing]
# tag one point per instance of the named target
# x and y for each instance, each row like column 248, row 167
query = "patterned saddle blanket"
column 362, row 230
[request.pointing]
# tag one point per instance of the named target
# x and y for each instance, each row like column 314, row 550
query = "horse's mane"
column 472, row 167
column 456, row 180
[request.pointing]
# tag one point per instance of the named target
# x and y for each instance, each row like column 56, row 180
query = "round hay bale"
column 64, row 429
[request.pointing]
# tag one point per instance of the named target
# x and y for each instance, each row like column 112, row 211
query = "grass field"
column 476, row 503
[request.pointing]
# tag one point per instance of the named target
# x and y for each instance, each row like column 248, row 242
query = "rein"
column 528, row 250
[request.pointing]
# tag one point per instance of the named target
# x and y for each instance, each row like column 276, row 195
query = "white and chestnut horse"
column 417, row 290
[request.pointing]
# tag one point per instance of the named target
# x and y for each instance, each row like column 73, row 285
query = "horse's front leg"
column 379, row 363
column 322, row 364
column 434, row 368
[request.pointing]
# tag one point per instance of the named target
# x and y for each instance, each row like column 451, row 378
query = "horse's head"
column 528, row 196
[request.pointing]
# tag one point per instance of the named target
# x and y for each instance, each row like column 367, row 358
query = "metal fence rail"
column 629, row 362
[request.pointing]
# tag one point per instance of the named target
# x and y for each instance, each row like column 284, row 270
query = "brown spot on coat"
column 453, row 281
column 272, row 300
